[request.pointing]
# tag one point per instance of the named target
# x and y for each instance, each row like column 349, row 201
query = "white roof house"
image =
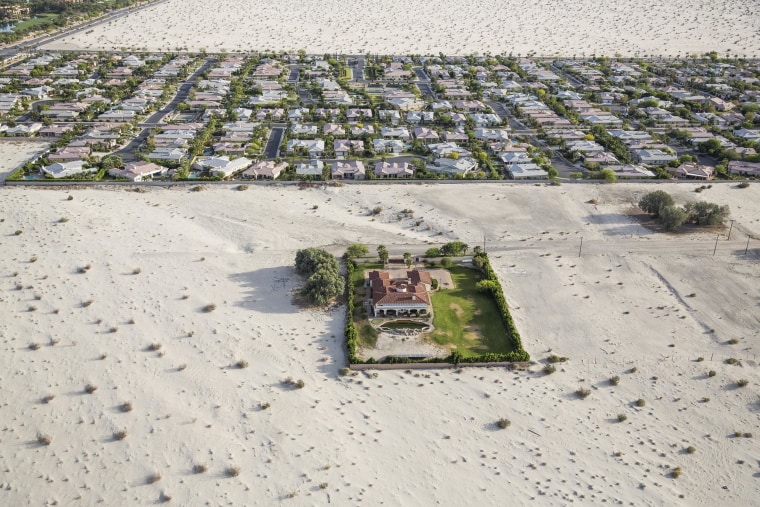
column 526, row 171
column 138, row 171
column 222, row 166
column 447, row 149
column 310, row 168
column 453, row 167
column 314, row 147
column 652, row 157
column 66, row 169
column 492, row 134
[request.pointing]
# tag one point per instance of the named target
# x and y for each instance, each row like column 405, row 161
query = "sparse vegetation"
column 200, row 468
column 614, row 380
column 633, row 370
column 120, row 435
column 126, row 406
column 743, row 184
column 153, row 478
column 554, row 358
column 18, row 232
column 676, row 473
column 622, row 417
column 48, row 398
column 43, row 439
column 344, row 371
column 691, row 449
column 733, row 341
column 90, row 388
column 136, row 271
column 87, row 303
column 711, row 373
column 742, row 382
column 640, row 402
column 732, row 360
column 549, row 369
column 294, row 383
column 209, row 308
column 503, row 423
column 153, row 347
column 264, row 406
column 242, row 187
column 241, row 364
column 181, row 367
column 34, row 346
column 232, row 471
column 583, row 393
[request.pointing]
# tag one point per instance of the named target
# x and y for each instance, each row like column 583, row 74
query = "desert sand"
column 554, row 27
column 109, row 289
column 15, row 153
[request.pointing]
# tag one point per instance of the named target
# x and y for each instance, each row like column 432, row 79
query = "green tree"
column 454, row 248
column 608, row 175
column 323, row 285
column 433, row 252
column 654, row 201
column 308, row 260
column 706, row 213
column 408, row 259
column 672, row 217
column 356, row 250
column 382, row 253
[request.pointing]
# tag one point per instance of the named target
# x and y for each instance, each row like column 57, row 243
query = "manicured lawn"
column 467, row 319
column 35, row 22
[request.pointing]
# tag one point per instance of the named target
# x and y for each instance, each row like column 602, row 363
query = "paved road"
column 272, row 149
column 183, row 91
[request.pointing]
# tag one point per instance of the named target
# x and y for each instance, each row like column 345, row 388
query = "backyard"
column 467, row 320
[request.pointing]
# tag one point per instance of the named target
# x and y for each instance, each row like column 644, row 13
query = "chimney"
column 414, row 298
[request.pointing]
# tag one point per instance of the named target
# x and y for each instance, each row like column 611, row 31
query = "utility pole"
column 730, row 229
column 580, row 248
column 716, row 244
column 747, row 247
column 484, row 243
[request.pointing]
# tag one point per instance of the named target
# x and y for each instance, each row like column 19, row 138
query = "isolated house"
column 408, row 296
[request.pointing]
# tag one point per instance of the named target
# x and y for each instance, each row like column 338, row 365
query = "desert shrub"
column 633, row 370
column 640, row 402
column 44, row 439
column 113, row 329
column 63, row 220
column 344, row 371
column 48, row 398
column 732, row 360
column 300, row 384
column 136, row 271
column 700, row 359
column 549, row 369
column 621, row 417
column 18, row 232
column 614, row 380
column 89, row 388
column 672, row 217
column 653, row 202
column 200, row 468
column 747, row 435
column 503, row 423
column 743, row 184
column 87, row 303
column 126, row 406
column 242, row 187
column 377, row 210
column 264, row 406
column 706, row 213
column 197, row 188
column 181, row 367
column 70, row 198
column 711, row 373
column 153, row 347
column 120, row 435
column 34, row 346
column 209, row 308
column 676, row 473
column 153, row 478
column 742, row 382
column 733, row 341
column 323, row 485
column 232, row 471
column 583, row 393
column 242, row 364
column 554, row 358
column 691, row 449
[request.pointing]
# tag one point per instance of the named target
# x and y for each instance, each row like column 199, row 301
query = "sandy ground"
column 554, row 27
column 15, row 153
column 389, row 438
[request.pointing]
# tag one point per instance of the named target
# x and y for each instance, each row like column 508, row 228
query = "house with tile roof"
column 409, row 296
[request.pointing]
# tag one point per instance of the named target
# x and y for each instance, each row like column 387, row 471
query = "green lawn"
column 366, row 333
column 33, row 23
column 467, row 319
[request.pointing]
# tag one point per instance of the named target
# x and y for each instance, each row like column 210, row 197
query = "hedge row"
column 350, row 330
column 498, row 295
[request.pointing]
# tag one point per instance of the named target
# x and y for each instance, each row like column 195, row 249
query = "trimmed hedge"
column 518, row 355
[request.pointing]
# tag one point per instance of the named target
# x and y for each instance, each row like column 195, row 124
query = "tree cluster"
column 322, row 272
column 661, row 205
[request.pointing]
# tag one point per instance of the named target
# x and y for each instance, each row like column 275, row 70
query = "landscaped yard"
column 467, row 319
column 366, row 333
column 35, row 22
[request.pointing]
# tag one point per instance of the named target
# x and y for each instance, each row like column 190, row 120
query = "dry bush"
column 676, row 473
column 242, row 364
column 153, row 347
column 54, row 341
column 34, row 346
column 732, row 360
column 242, row 187
column 691, row 449
column 733, row 341
column 63, row 220
column 153, row 478
column 622, row 417
column 583, row 393
column 181, row 367
column 742, row 382
column 503, row 423
column 549, row 369
column 209, row 308
column 120, row 435
column 48, row 398
column 344, row 371
column 89, row 388
column 232, row 471
column 84, row 269
column 126, row 406
column 136, row 271
column 200, row 468
column 640, row 402
column 44, row 439
column 711, row 373
column 113, row 329
column 87, row 303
